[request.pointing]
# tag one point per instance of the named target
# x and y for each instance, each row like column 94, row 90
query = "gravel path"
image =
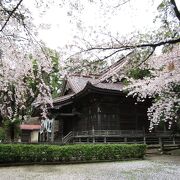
column 155, row 167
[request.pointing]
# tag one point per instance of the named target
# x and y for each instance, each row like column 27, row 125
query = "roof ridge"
column 114, row 66
column 85, row 76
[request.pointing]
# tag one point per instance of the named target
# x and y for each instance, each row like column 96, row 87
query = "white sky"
column 133, row 16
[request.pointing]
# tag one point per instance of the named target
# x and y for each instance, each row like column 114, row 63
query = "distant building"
column 30, row 130
column 29, row 133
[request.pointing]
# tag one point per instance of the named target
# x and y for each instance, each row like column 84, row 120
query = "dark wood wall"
column 109, row 112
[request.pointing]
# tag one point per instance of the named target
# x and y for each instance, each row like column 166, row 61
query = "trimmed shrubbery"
column 11, row 153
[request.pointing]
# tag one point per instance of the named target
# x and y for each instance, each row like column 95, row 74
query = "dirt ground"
column 160, row 167
column 161, row 158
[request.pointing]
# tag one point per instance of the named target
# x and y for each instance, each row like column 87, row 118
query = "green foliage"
column 138, row 73
column 176, row 88
column 55, row 79
column 161, row 5
column 52, row 79
column 2, row 134
column 11, row 129
column 125, row 81
column 10, row 153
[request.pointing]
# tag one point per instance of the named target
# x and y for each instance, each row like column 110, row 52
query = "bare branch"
column 11, row 14
column 127, row 47
column 120, row 4
column 148, row 56
column 175, row 9
column 111, row 54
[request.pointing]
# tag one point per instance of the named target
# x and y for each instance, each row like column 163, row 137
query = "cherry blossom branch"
column 113, row 50
column 120, row 4
column 176, row 11
column 10, row 14
column 127, row 47
column 110, row 55
column 149, row 55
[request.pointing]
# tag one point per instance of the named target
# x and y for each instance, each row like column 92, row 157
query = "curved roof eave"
column 86, row 90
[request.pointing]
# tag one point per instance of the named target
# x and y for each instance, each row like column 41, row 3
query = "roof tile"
column 30, row 127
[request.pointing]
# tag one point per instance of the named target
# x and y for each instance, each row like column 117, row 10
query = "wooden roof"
column 115, row 68
column 75, row 85
column 79, row 84
column 30, row 127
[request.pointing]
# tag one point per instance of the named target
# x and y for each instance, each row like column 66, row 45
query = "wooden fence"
column 121, row 136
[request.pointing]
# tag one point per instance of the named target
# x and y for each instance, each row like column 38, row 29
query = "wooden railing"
column 121, row 133
column 125, row 136
column 109, row 133
column 159, row 133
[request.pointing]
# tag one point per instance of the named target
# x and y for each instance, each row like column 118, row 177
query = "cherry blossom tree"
column 106, row 44
column 162, row 83
column 29, row 72
column 27, row 84
column 21, row 75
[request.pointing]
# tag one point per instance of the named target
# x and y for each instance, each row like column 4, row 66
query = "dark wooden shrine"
column 92, row 109
column 98, row 110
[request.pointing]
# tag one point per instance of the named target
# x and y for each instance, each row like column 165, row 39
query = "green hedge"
column 11, row 153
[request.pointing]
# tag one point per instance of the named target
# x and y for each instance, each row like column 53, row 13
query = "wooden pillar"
column 43, row 136
column 52, row 131
column 93, row 134
column 136, row 116
column 125, row 139
column 99, row 117
column 60, row 128
column 144, row 140
column 161, row 144
column 174, row 141
column 40, row 137
column 47, row 136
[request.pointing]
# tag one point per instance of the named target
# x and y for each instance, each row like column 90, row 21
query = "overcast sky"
column 61, row 20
